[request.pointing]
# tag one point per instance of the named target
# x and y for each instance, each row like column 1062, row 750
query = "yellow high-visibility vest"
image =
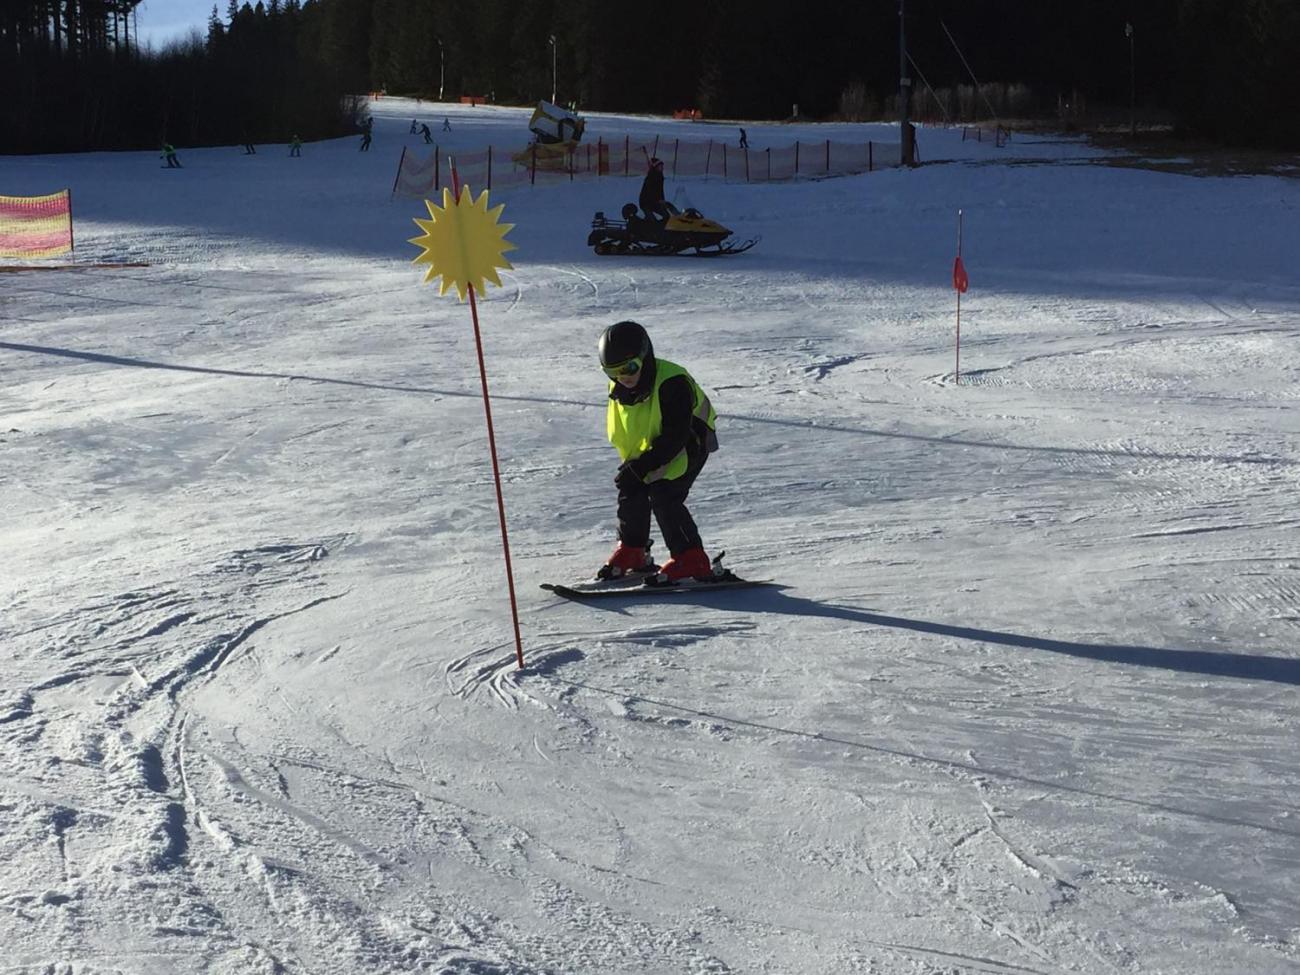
column 632, row 428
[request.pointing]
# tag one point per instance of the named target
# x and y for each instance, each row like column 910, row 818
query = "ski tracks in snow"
column 112, row 720
column 488, row 670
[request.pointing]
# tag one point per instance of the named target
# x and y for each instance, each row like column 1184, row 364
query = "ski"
column 583, row 591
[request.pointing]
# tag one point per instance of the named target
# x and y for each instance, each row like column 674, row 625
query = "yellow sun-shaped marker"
column 463, row 243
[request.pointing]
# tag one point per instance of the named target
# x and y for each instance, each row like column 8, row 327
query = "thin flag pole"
column 398, row 177
column 957, row 370
column 492, row 444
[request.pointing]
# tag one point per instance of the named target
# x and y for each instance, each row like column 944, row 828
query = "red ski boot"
column 692, row 564
column 627, row 561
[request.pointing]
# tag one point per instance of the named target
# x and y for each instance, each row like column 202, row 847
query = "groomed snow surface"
column 1026, row 702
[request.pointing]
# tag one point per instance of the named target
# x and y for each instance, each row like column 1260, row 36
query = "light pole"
column 552, row 40
column 442, row 67
column 1132, row 84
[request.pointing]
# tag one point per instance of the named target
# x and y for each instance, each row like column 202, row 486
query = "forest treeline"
column 76, row 79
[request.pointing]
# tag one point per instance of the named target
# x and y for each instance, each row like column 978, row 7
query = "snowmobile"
column 683, row 231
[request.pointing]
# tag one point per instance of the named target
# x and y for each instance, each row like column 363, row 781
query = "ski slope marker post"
column 398, row 177
column 463, row 244
column 960, row 282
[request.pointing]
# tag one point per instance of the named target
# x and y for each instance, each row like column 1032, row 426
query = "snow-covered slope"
column 1027, row 701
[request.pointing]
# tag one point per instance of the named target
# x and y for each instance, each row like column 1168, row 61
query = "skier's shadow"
column 1248, row 666
column 1216, row 663
column 773, row 600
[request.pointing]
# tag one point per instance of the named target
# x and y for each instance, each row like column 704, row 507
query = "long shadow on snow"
column 1248, row 666
column 117, row 360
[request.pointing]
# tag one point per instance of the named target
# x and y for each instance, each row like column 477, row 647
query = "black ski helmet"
column 623, row 341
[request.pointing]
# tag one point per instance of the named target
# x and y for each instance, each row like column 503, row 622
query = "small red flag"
column 960, row 281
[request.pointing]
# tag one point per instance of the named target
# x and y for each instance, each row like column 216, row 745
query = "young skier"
column 426, row 132
column 169, row 154
column 295, row 146
column 663, row 426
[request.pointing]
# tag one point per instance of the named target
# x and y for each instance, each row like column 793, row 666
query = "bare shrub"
column 857, row 104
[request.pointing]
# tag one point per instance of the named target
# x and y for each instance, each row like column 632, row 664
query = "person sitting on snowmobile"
column 652, row 201
column 663, row 426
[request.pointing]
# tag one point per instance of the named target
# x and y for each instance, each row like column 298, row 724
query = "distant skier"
column 663, row 426
column 426, row 132
column 652, row 199
column 169, row 154
column 744, row 140
column 295, row 146
column 365, row 139
column 249, row 148
column 446, row 125
column 415, row 126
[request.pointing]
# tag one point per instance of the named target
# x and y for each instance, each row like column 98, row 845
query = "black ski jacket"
column 652, row 192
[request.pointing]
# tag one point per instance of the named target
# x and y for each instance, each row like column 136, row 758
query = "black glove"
column 627, row 478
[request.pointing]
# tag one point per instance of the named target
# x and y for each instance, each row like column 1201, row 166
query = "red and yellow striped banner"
column 36, row 226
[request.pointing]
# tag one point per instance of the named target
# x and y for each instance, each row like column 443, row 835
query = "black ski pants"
column 667, row 500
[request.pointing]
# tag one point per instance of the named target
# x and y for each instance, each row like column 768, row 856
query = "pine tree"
column 216, row 30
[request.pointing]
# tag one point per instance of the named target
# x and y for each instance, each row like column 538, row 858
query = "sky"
column 162, row 21
column 1023, row 698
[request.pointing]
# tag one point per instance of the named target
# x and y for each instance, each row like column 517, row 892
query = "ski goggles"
column 629, row 368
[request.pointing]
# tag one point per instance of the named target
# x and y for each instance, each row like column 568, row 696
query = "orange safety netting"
column 499, row 166
column 36, row 226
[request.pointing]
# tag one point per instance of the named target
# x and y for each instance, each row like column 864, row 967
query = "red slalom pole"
column 960, row 282
column 957, row 362
column 492, row 447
